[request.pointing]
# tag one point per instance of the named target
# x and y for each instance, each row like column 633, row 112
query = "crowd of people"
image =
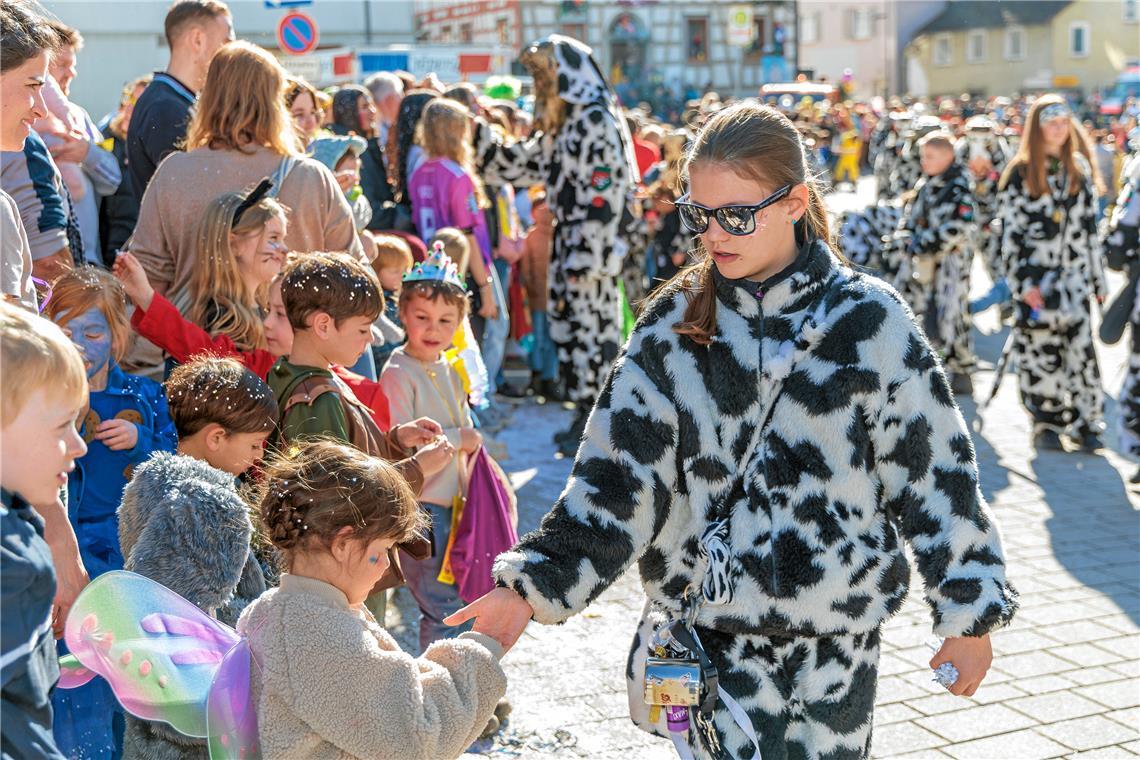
column 360, row 284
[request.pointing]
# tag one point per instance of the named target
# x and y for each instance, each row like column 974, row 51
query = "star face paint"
column 91, row 334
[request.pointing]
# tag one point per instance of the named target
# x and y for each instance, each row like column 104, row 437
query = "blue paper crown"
column 437, row 266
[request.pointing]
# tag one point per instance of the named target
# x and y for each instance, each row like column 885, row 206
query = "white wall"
column 124, row 38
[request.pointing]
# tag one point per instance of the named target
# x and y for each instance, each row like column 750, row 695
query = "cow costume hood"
column 579, row 82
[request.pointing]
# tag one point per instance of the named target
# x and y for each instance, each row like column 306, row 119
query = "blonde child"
column 44, row 391
column 241, row 248
column 393, row 261
column 336, row 516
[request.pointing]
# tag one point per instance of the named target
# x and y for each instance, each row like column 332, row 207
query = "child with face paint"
column 157, row 320
column 335, row 515
column 126, row 421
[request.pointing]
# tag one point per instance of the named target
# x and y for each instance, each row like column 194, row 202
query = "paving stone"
column 1018, row 744
column 1061, row 705
column 1086, row 654
column 1090, row 676
column 1013, row 642
column 1044, row 684
column 1031, row 664
column 1116, row 694
column 894, row 713
column 1104, row 753
column 899, row 738
column 1088, row 733
column 1080, row 631
column 975, row 722
column 1129, row 716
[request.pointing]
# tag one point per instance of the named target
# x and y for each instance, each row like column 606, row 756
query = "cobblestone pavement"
column 1066, row 675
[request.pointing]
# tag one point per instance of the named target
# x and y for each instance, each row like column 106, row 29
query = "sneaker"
column 961, row 384
column 1047, row 440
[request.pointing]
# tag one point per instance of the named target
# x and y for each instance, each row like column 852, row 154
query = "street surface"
column 1066, row 675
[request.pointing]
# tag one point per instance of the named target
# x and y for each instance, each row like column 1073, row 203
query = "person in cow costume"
column 583, row 154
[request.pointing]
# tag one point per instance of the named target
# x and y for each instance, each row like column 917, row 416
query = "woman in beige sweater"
column 327, row 680
column 240, row 134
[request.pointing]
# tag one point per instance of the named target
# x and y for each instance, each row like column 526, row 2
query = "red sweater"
column 164, row 326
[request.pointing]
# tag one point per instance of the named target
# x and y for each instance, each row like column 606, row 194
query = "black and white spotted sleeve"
column 520, row 164
column 617, row 498
column 925, row 462
column 1016, row 218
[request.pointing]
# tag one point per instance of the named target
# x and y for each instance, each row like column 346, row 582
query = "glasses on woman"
column 735, row 220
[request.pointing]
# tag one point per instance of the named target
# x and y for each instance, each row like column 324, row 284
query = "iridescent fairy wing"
column 158, row 651
column 230, row 716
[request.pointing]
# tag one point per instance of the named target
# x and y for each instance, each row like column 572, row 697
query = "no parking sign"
column 297, row 34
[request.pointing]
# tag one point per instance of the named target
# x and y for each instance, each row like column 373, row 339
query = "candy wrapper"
column 945, row 675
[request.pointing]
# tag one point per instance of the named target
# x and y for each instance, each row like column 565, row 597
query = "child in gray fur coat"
column 328, row 681
column 182, row 522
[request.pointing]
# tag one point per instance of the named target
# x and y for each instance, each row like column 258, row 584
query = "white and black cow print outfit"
column 589, row 171
column 861, row 233
column 995, row 148
column 937, row 229
column 1122, row 250
column 864, row 448
column 1051, row 243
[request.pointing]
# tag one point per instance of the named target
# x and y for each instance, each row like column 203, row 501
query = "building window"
column 1014, row 43
column 976, row 46
column 466, row 35
column 1131, row 11
column 445, row 33
column 942, row 53
column 503, row 31
column 861, row 24
column 1079, row 39
column 809, row 28
column 698, row 39
column 577, row 31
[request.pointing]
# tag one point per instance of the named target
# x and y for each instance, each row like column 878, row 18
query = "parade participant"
column 330, row 681
column 1122, row 249
column 937, row 232
column 887, row 156
column 241, row 249
column 44, row 392
column 850, row 152
column 1052, row 262
column 118, row 211
column 905, row 175
column 775, row 425
column 985, row 153
column 182, row 522
column 588, row 190
column 331, row 301
column 863, row 231
column 393, row 261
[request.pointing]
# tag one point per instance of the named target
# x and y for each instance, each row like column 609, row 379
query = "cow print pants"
column 1059, row 378
column 585, row 324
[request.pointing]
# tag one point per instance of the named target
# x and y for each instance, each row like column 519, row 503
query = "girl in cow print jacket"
column 775, row 404
column 1053, row 264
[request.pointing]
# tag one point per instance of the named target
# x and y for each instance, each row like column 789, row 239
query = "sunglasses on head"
column 735, row 220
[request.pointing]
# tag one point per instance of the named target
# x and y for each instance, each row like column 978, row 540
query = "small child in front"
column 331, row 681
column 43, row 391
column 420, row 382
column 182, row 522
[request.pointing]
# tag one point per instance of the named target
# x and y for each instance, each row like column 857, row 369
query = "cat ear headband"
column 255, row 197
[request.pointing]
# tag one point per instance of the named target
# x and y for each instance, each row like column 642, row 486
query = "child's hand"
column 435, row 456
column 117, row 435
column 133, row 277
column 470, row 440
column 971, row 655
column 416, row 433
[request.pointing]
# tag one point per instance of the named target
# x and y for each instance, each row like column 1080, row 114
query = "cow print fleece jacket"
column 864, row 446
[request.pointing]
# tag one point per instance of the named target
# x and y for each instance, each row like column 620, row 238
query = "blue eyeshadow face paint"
column 92, row 336
column 373, row 559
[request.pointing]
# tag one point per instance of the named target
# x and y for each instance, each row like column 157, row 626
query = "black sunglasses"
column 735, row 220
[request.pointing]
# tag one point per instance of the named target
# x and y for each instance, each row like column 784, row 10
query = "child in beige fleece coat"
column 328, row 681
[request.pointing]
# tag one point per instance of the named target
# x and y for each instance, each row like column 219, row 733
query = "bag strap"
column 288, row 163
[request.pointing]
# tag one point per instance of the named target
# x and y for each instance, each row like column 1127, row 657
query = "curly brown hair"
column 310, row 494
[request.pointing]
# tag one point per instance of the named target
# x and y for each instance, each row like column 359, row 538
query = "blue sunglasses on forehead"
column 735, row 220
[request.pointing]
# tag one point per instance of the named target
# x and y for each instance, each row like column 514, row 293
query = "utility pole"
column 367, row 22
column 796, row 39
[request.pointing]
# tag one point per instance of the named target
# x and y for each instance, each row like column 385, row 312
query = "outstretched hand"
column 419, row 432
column 500, row 613
column 971, row 656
